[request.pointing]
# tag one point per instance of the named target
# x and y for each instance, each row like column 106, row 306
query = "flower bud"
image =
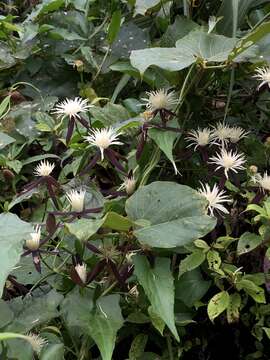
column 253, row 169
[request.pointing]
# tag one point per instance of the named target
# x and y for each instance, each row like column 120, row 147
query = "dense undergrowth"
column 134, row 157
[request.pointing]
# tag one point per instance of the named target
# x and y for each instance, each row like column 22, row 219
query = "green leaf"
column 4, row 107
column 196, row 46
column 114, row 26
column 106, row 320
column 5, row 140
column 158, row 285
column 191, row 287
column 175, row 213
column 250, row 39
column 137, row 346
column 267, row 332
column 248, row 242
column 13, row 232
column 110, row 114
column 38, row 158
column 76, row 309
column 165, row 141
column 218, row 304
column 31, row 312
column 192, row 261
column 6, row 314
column 83, row 229
column 117, row 222
column 233, row 308
column 53, row 351
column 142, row 6
column 180, row 28
column 156, row 320
column 214, row 260
column 252, row 290
column 15, row 165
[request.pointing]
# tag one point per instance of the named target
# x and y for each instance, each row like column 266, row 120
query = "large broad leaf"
column 175, row 214
column 110, row 114
column 31, row 312
column 180, row 28
column 76, row 309
column 197, row 46
column 13, row 232
column 158, row 284
column 105, row 321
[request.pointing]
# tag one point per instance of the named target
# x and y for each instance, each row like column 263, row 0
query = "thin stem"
column 169, row 346
column 232, row 78
column 102, row 63
column 183, row 89
column 106, row 291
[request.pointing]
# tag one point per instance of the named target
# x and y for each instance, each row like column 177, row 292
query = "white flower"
column 81, row 271
column 34, row 241
column 36, row 341
column 228, row 160
column 103, row 138
column 160, row 99
column 237, row 133
column 262, row 181
column 222, row 133
column 263, row 74
column 76, row 199
column 71, row 107
column 44, row 168
column 129, row 184
column 215, row 198
column 200, row 137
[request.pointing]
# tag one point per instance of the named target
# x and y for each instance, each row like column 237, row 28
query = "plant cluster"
column 134, row 175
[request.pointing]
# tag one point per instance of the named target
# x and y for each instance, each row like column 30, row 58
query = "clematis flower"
column 129, row 184
column 76, row 199
column 215, row 198
column 262, row 180
column 82, row 272
column 237, row 133
column 37, row 342
column 222, row 133
column 44, row 168
column 263, row 74
column 103, row 139
column 200, row 137
column 228, row 160
column 33, row 246
column 72, row 108
column 161, row 101
column 43, row 171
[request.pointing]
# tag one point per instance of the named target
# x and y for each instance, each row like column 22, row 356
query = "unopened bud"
column 147, row 115
column 8, row 174
column 267, row 141
column 78, row 64
column 253, row 169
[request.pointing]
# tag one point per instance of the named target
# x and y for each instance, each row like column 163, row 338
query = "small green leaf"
column 137, row 346
column 248, row 242
column 165, row 141
column 5, row 140
column 218, row 304
column 158, row 285
column 253, row 290
column 233, row 308
column 214, row 260
column 83, row 229
column 114, row 26
column 117, row 222
column 192, row 261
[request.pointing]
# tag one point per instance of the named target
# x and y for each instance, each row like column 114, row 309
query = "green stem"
column 169, row 345
column 229, row 94
column 106, row 291
column 184, row 88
